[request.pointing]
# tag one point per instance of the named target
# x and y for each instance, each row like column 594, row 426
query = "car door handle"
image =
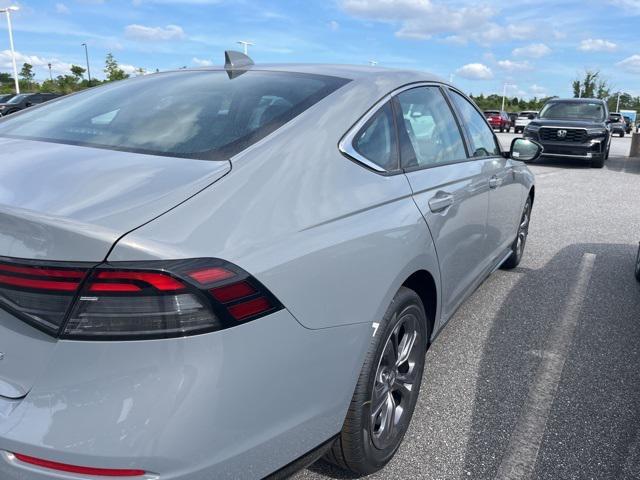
column 495, row 182
column 440, row 201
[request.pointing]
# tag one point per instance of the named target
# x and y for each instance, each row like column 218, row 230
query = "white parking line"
column 519, row 460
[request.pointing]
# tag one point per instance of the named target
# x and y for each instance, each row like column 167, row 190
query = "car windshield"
column 573, row 111
column 5, row 98
column 18, row 98
column 192, row 114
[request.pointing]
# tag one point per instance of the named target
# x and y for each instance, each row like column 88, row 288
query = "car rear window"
column 573, row 111
column 191, row 114
column 491, row 113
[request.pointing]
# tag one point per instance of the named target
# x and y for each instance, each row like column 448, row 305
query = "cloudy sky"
column 536, row 47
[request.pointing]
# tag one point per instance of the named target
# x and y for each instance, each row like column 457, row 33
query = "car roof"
column 358, row 73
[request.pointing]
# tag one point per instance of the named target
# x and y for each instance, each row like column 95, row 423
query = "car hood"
column 72, row 203
column 543, row 122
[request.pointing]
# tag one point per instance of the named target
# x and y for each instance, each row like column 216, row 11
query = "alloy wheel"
column 394, row 386
column 523, row 229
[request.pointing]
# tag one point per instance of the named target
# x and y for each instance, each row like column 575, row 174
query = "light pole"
column 245, row 45
column 86, row 54
column 618, row 104
column 8, row 11
column 50, row 75
column 504, row 93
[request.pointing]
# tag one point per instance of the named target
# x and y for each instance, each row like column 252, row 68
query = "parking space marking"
column 520, row 458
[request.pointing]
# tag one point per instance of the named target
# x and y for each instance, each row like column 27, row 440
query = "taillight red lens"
column 244, row 310
column 233, row 292
column 39, row 294
column 159, row 281
column 64, row 467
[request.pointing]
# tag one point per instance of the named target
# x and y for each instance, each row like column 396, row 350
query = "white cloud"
column 538, row 91
column 62, row 9
column 630, row 64
column 132, row 69
column 40, row 64
column 419, row 19
column 142, row 32
column 511, row 66
column 201, row 62
column 535, row 50
column 475, row 71
column 597, row 45
column 333, row 25
column 632, row 6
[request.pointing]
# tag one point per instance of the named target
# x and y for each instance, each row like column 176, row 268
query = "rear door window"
column 429, row 126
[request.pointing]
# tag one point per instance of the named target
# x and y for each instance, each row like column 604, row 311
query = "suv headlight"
column 596, row 131
column 531, row 128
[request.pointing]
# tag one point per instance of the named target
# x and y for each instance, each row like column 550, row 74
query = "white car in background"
column 523, row 120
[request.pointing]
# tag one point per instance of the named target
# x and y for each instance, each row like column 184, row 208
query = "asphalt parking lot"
column 538, row 373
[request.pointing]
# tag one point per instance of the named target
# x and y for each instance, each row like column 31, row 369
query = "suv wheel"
column 638, row 266
column 517, row 247
column 387, row 389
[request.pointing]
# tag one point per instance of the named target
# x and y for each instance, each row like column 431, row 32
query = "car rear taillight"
column 134, row 300
column 39, row 294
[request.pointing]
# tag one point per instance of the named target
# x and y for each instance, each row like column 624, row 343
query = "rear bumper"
column 239, row 403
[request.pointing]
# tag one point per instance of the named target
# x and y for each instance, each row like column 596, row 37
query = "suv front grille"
column 572, row 135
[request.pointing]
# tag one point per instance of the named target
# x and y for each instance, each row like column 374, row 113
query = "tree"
column 591, row 86
column 78, row 72
column 27, row 74
column 6, row 78
column 113, row 70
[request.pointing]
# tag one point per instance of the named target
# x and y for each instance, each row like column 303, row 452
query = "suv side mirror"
column 525, row 150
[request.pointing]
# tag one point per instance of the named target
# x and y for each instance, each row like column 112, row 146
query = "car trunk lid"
column 64, row 203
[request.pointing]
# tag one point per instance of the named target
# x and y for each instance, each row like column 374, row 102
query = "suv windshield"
column 191, row 114
column 573, row 111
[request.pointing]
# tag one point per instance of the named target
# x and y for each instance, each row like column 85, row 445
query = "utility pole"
column 504, row 94
column 86, row 55
column 50, row 75
column 8, row 11
column 618, row 104
column 245, row 45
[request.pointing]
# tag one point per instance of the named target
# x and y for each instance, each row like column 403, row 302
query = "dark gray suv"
column 574, row 128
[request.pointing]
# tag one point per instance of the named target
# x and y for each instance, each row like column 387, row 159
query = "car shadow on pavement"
column 624, row 164
column 593, row 427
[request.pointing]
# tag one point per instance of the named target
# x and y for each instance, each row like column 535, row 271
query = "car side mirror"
column 28, row 104
column 525, row 150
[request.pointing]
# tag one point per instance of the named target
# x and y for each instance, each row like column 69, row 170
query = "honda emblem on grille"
column 562, row 133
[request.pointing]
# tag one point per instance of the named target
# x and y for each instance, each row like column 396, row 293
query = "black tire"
column 638, row 266
column 598, row 162
column 501, row 129
column 358, row 448
column 621, row 134
column 517, row 247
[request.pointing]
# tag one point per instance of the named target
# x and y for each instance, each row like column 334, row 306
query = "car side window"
column 428, row 124
column 483, row 142
column 377, row 140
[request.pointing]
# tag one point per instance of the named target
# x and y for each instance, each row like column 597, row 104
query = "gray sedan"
column 227, row 273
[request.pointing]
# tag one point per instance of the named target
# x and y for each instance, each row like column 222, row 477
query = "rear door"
column 450, row 189
column 505, row 193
